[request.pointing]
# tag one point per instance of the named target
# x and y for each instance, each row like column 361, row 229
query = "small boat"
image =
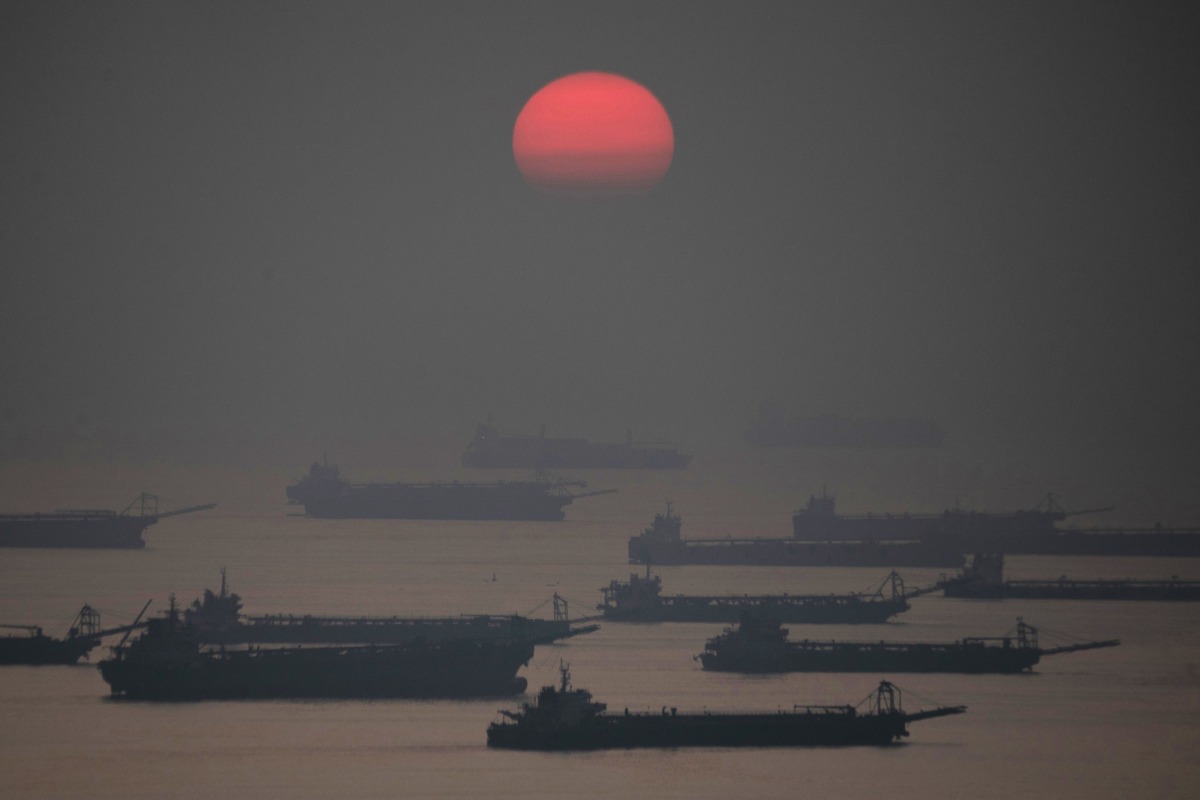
column 565, row 718
column 36, row 648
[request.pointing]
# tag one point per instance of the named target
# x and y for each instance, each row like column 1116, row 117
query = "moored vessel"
column 325, row 495
column 760, row 645
column 90, row 528
column 217, row 619
column 169, row 661
column 984, row 579
column 641, row 600
column 1033, row 531
column 34, row 647
column 566, row 718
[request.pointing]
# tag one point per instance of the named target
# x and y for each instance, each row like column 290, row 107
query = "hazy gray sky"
column 306, row 218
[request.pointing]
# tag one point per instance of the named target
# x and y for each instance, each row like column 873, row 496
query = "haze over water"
column 1100, row 724
column 241, row 237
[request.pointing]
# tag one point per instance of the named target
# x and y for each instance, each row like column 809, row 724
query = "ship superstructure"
column 640, row 599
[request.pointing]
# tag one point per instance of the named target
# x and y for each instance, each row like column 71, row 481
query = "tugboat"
column 217, row 619
column 325, row 495
column 565, row 718
column 170, row 662
column 760, row 645
column 641, row 600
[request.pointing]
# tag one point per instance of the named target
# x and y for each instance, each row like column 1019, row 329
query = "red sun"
column 593, row 133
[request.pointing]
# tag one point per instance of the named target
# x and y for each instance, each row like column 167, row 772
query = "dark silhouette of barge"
column 641, row 600
column 760, row 645
column 1033, row 531
column 88, row 528
column 565, row 718
column 492, row 449
column 217, row 618
column 169, row 661
column 662, row 543
column 34, row 647
column 984, row 580
column 325, row 495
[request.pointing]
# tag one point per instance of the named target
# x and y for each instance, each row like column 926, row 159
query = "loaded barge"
column 1033, row 531
column 169, row 661
column 325, row 495
column 662, row 543
column 36, row 648
column 984, row 580
column 641, row 600
column 760, row 645
column 494, row 450
column 217, row 619
column 88, row 528
column 566, row 718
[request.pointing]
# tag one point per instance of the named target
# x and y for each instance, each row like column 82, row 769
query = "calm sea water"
column 1115, row 723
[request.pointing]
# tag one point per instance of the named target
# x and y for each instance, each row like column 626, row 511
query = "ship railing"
column 71, row 513
column 476, row 620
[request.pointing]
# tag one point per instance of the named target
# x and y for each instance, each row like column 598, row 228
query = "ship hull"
column 788, row 552
column 398, row 630
column 1017, row 533
column 833, row 728
column 874, row 657
column 816, row 611
column 459, row 669
column 1074, row 590
column 39, row 650
column 112, row 531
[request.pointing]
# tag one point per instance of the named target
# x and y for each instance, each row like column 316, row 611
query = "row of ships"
column 820, row 536
column 211, row 650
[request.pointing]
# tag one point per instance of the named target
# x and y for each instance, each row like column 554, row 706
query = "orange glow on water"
column 593, row 132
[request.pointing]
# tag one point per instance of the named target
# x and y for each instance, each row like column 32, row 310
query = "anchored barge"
column 324, row 494
column 1033, row 531
column 88, row 528
column 492, row 449
column 217, row 619
column 984, row 580
column 565, row 718
column 760, row 645
column 661, row 543
column 169, row 662
column 36, row 648
column 641, row 600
